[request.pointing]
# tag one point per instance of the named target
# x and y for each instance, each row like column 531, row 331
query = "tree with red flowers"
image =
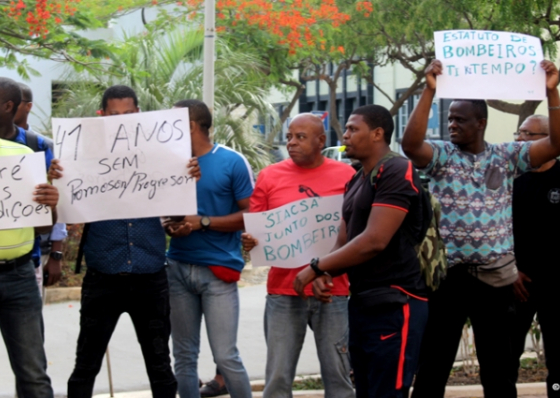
column 50, row 29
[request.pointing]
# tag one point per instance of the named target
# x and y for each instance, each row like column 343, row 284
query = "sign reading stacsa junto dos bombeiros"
column 291, row 235
column 125, row 166
column 479, row 64
column 19, row 174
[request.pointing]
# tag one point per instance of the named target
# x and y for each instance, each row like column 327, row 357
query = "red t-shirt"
column 286, row 182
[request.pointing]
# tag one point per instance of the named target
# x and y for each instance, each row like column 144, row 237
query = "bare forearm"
column 357, row 251
column 554, row 117
column 230, row 223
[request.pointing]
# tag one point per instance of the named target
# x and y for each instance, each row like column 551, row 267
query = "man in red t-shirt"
column 306, row 174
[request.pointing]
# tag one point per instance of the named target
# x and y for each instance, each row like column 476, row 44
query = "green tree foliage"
column 166, row 68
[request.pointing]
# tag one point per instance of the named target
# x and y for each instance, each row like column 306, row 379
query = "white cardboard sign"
column 19, row 174
column 479, row 64
column 125, row 166
column 291, row 235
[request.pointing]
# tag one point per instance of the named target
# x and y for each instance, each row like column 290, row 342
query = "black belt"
column 8, row 265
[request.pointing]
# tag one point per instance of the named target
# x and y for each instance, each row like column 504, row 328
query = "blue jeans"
column 285, row 323
column 21, row 323
column 194, row 291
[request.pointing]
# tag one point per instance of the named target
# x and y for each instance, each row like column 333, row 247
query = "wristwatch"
column 56, row 256
column 205, row 223
column 314, row 264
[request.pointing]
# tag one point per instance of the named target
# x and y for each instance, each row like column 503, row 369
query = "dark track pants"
column 384, row 347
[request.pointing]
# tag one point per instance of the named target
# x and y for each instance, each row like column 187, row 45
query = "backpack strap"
column 375, row 171
column 32, row 140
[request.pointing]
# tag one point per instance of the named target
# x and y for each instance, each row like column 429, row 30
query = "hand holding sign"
column 25, row 199
column 292, row 234
column 551, row 75
column 432, row 72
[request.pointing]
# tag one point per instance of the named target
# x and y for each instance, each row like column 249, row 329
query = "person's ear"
column 482, row 124
column 378, row 134
column 8, row 106
column 322, row 140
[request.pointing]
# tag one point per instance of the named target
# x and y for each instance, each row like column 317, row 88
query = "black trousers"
column 543, row 301
column 104, row 298
column 491, row 311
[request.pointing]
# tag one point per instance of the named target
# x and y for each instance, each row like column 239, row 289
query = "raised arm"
column 548, row 148
column 413, row 144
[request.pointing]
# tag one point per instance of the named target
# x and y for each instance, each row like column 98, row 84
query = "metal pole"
column 109, row 372
column 209, row 44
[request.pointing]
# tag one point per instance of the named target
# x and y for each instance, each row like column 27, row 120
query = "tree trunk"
column 528, row 108
column 287, row 110
column 333, row 115
column 523, row 111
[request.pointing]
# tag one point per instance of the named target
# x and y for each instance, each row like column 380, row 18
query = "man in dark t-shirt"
column 375, row 246
column 536, row 216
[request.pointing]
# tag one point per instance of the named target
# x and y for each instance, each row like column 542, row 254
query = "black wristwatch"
column 314, row 264
column 205, row 223
column 56, row 256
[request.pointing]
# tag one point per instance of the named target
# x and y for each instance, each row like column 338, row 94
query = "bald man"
column 536, row 216
column 306, row 174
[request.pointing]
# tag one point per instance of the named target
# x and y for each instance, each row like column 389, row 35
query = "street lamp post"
column 209, row 44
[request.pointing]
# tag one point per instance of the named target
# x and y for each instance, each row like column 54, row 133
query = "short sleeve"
column 58, row 232
column 442, row 151
column 395, row 186
column 518, row 155
column 243, row 180
column 259, row 198
column 43, row 146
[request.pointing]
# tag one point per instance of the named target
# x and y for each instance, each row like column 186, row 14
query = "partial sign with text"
column 19, row 175
column 479, row 64
column 125, row 166
column 291, row 235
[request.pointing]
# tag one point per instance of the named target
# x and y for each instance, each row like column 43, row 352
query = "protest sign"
column 19, row 174
column 291, row 235
column 125, row 166
column 479, row 64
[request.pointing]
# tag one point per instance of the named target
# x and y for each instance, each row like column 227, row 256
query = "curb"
column 60, row 294
column 473, row 391
column 249, row 276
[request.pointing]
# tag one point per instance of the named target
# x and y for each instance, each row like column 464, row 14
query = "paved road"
column 61, row 329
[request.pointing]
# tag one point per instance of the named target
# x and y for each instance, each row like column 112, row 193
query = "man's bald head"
column 541, row 120
column 305, row 140
column 312, row 120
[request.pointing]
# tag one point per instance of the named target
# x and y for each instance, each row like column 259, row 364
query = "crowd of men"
column 392, row 330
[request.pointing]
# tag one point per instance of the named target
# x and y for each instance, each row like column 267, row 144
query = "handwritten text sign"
column 479, row 64
column 291, row 235
column 126, row 166
column 19, row 175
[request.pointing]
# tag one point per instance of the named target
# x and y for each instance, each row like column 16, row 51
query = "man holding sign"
column 126, row 273
column 21, row 321
column 473, row 180
column 306, row 174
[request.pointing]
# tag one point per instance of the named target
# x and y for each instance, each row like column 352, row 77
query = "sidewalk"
column 128, row 371
column 529, row 390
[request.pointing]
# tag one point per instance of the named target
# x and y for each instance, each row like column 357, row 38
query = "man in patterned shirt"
column 473, row 180
column 126, row 273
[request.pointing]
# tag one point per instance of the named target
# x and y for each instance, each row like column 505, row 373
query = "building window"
column 436, row 122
